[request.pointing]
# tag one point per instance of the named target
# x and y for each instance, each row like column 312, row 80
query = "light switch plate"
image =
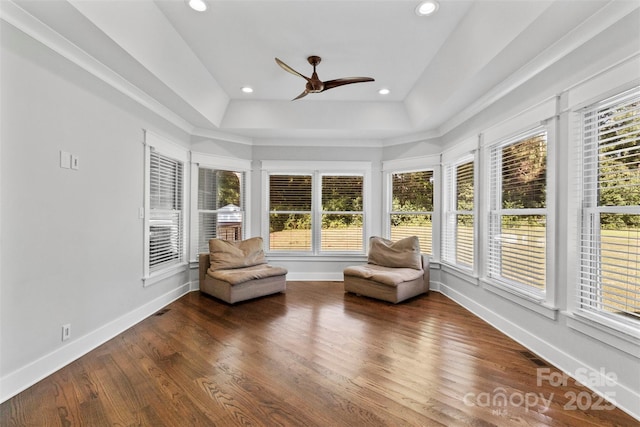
column 75, row 162
column 65, row 160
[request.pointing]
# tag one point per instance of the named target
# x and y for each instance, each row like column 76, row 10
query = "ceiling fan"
column 314, row 84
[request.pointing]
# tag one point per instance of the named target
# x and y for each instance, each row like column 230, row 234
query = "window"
column 518, row 211
column 166, row 213
column 221, row 207
column 459, row 214
column 164, row 206
column 411, row 211
column 290, row 212
column 342, row 213
column 319, row 212
column 609, row 280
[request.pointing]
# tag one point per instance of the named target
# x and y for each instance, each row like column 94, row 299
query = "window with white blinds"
column 316, row 213
column 166, row 212
column 609, row 277
column 518, row 211
column 290, row 212
column 458, row 239
column 221, row 206
column 342, row 213
column 411, row 212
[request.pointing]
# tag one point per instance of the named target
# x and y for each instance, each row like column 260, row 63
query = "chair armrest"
column 427, row 271
column 203, row 265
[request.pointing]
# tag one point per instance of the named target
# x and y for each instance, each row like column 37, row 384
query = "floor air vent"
column 533, row 358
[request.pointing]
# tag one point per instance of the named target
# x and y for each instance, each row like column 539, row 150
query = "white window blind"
column 221, row 206
column 610, row 227
column 342, row 214
column 411, row 210
column 317, row 213
column 166, row 216
column 518, row 211
column 458, row 243
column 290, row 212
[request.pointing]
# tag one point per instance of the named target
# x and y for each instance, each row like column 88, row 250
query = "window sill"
column 433, row 264
column 157, row 276
column 616, row 334
column 529, row 301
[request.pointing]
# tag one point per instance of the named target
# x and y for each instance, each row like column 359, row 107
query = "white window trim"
column 211, row 161
column 414, row 164
column 541, row 116
column 448, row 206
column 316, row 170
column 615, row 79
column 498, row 147
column 618, row 333
column 168, row 148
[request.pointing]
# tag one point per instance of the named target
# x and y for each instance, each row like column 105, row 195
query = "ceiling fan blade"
column 330, row 84
column 314, row 84
column 291, row 70
column 303, row 94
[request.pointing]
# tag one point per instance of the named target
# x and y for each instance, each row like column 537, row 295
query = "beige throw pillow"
column 404, row 253
column 225, row 255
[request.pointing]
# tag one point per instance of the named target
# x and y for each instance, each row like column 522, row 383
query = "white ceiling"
column 190, row 66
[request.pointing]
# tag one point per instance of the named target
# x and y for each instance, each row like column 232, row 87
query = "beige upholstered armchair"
column 394, row 272
column 238, row 271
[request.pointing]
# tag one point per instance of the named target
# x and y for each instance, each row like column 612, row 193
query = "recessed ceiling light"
column 428, row 7
column 247, row 89
column 384, row 91
column 197, row 5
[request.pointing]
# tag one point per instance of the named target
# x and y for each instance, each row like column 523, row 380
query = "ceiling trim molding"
column 319, row 142
column 620, row 76
column 222, row 136
column 416, row 137
column 597, row 23
column 36, row 29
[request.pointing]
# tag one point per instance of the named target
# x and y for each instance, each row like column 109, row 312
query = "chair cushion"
column 236, row 276
column 246, row 253
column 404, row 253
column 391, row 276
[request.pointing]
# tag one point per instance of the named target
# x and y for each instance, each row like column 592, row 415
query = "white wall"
column 71, row 245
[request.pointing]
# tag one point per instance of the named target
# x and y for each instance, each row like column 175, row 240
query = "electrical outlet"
column 66, row 331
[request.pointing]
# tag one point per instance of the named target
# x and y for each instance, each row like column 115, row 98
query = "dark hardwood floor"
column 313, row 356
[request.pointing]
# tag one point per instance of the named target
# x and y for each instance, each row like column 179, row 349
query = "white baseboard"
column 323, row 276
column 621, row 396
column 23, row 378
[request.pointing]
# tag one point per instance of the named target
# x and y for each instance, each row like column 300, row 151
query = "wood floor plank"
column 313, row 356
